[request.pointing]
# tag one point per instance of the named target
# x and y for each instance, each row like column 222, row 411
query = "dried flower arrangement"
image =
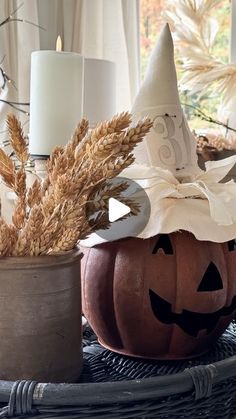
column 195, row 40
column 53, row 214
column 211, row 141
column 201, row 68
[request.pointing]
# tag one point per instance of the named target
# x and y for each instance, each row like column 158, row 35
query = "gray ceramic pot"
column 40, row 318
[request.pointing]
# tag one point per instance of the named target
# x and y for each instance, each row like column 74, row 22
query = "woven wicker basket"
column 202, row 391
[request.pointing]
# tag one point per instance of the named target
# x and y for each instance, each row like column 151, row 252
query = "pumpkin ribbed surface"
column 166, row 297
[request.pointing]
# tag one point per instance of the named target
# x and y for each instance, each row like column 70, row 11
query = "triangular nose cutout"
column 211, row 280
column 231, row 245
column 163, row 243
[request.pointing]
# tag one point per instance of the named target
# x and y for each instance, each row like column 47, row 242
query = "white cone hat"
column 198, row 202
column 170, row 143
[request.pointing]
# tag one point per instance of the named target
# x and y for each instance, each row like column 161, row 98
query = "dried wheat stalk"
column 17, row 139
column 53, row 215
column 116, row 125
column 34, row 194
column 7, row 170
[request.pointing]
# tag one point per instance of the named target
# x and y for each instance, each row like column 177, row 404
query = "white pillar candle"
column 99, row 90
column 56, row 99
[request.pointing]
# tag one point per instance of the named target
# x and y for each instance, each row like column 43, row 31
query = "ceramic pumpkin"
column 166, row 297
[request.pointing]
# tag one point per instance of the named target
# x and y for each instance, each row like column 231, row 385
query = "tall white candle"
column 56, row 99
column 99, row 90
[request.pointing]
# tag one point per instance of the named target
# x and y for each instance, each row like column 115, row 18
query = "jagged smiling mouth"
column 189, row 321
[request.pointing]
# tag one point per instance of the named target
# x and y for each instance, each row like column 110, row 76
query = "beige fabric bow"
column 203, row 206
column 160, row 184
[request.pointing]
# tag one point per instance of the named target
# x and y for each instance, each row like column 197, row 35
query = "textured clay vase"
column 40, row 318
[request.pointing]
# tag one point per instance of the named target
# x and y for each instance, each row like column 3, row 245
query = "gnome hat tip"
column 170, row 143
column 166, row 28
column 166, row 40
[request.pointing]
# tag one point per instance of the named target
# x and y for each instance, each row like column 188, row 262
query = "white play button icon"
column 117, row 210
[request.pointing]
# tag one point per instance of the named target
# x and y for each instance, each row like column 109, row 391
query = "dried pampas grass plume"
column 195, row 40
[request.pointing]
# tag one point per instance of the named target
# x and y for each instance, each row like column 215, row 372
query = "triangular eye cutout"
column 231, row 245
column 211, row 280
column 163, row 243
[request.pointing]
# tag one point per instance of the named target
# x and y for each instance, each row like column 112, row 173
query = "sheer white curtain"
column 17, row 41
column 102, row 29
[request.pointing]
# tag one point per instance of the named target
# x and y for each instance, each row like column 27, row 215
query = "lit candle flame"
column 59, row 44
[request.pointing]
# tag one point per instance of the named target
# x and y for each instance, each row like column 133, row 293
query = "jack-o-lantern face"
column 169, row 296
column 191, row 322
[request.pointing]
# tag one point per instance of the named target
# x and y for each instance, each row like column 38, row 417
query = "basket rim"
column 66, row 394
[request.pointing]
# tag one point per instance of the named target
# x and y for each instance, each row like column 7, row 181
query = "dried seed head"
column 17, row 139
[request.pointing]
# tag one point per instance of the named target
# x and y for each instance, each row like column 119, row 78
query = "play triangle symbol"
column 116, row 210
